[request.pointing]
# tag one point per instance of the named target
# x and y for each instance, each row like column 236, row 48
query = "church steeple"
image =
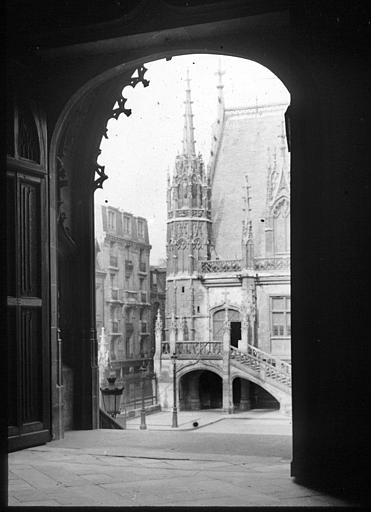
column 188, row 201
column 188, row 130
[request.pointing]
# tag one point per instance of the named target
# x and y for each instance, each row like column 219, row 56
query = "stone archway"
column 200, row 389
column 73, row 152
column 73, row 156
column 249, row 395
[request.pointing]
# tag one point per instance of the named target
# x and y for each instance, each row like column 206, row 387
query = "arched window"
column 281, row 226
column 218, row 321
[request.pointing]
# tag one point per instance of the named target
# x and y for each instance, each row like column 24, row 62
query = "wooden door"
column 27, row 279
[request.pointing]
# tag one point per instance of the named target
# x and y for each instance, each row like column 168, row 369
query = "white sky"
column 141, row 148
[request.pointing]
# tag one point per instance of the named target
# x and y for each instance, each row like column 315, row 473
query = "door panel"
column 27, row 286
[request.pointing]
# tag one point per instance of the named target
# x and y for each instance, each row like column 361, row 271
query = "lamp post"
column 143, row 425
column 175, row 412
column 111, row 396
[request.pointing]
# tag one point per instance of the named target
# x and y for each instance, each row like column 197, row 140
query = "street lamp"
column 175, row 412
column 143, row 425
column 111, row 396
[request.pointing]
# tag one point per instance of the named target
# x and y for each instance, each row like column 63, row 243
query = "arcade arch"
column 87, row 112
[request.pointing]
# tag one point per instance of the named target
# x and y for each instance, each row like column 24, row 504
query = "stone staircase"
column 271, row 372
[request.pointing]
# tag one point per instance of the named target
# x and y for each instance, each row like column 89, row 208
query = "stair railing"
column 267, row 365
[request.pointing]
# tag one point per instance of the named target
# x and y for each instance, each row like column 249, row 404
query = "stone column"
column 245, row 402
column 172, row 333
column 244, row 333
column 158, row 343
column 244, row 315
column 227, row 384
column 180, row 329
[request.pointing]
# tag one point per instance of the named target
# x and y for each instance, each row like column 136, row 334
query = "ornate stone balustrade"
column 260, row 361
column 189, row 212
column 194, row 349
column 220, row 266
column 165, row 348
column 282, row 263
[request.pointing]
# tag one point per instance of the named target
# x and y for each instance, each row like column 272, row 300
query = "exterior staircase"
column 270, row 372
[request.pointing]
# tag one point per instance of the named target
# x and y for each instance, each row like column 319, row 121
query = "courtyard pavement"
column 229, row 460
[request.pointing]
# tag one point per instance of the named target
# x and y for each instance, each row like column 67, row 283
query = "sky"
column 141, row 148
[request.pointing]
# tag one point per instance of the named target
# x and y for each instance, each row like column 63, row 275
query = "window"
column 111, row 221
column 219, row 319
column 281, row 226
column 281, row 316
column 128, row 268
column 140, row 228
column 126, row 224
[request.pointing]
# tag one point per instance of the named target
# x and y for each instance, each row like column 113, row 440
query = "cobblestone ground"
column 126, row 468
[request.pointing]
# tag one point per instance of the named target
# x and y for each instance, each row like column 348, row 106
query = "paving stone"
column 42, row 503
column 36, row 478
column 16, row 485
column 24, row 495
column 100, row 495
column 98, row 478
column 82, row 469
column 61, row 475
column 67, row 497
column 314, row 501
column 12, row 502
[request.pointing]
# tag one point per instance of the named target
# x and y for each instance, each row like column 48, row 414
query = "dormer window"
column 126, row 224
column 111, row 221
column 140, row 228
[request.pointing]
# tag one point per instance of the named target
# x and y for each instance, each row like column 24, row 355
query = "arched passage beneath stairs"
column 200, row 389
column 249, row 395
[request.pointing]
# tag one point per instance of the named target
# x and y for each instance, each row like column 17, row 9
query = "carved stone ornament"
column 197, row 244
column 121, row 101
column 102, row 176
column 61, row 173
column 181, row 244
column 173, row 323
column 281, row 207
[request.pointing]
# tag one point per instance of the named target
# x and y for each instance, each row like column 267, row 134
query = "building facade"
column 123, row 298
column 61, row 86
column 228, row 262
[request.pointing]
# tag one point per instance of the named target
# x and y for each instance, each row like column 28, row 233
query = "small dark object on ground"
column 195, row 423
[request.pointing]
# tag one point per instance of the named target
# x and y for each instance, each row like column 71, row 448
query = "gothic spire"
column 247, row 234
column 220, row 88
column 188, row 131
column 283, row 141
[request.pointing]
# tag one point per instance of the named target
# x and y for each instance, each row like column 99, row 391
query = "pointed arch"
column 281, row 225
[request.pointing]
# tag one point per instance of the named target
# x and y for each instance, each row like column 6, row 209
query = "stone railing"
column 194, row 349
column 165, row 348
column 277, row 263
column 267, row 365
column 220, row 266
column 189, row 212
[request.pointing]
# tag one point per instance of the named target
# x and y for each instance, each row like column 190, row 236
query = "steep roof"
column 248, row 139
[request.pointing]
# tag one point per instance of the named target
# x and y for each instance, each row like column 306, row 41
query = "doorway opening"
column 200, row 389
column 191, row 250
column 235, row 333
